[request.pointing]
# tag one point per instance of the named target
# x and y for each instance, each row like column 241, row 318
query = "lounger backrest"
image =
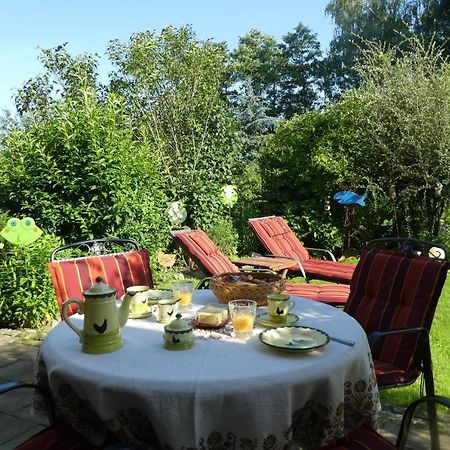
column 204, row 252
column 278, row 238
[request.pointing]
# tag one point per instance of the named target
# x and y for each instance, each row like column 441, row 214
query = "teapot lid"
column 99, row 289
column 178, row 325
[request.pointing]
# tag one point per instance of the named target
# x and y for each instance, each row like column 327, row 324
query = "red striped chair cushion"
column 392, row 290
column 335, row 271
column 205, row 252
column 364, row 438
column 334, row 294
column 278, row 238
column 121, row 270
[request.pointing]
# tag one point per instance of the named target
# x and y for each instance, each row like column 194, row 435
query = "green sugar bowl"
column 178, row 335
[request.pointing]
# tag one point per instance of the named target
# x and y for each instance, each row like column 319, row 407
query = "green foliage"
column 81, row 174
column 405, row 133
column 173, row 85
column 284, row 76
column 390, row 137
column 27, row 298
column 302, row 165
column 224, row 235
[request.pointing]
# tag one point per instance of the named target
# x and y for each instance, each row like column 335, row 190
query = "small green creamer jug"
column 103, row 319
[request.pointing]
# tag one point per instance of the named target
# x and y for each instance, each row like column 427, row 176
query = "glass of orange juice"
column 182, row 289
column 242, row 314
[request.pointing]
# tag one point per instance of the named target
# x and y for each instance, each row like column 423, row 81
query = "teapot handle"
column 80, row 311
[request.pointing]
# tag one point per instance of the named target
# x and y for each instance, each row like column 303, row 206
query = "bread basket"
column 253, row 286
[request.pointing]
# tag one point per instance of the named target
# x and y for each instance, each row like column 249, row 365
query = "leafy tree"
column 406, row 128
column 64, row 76
column 358, row 22
column 389, row 137
column 173, row 85
column 284, row 76
column 301, row 68
column 257, row 60
column 80, row 173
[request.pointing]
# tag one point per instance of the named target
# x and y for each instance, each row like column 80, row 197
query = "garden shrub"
column 81, row 171
column 27, row 298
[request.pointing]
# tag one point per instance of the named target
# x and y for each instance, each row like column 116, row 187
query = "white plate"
column 294, row 338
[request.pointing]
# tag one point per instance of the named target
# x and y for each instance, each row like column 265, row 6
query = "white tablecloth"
column 223, row 393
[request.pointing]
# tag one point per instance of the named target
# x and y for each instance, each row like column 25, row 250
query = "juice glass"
column 242, row 317
column 182, row 289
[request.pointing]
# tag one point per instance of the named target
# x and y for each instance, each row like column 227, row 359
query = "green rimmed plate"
column 264, row 320
column 294, row 339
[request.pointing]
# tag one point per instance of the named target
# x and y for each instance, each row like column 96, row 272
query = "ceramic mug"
column 165, row 310
column 279, row 306
column 139, row 301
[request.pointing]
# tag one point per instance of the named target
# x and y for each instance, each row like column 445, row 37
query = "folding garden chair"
column 393, row 295
column 366, row 438
column 208, row 257
column 75, row 267
column 280, row 241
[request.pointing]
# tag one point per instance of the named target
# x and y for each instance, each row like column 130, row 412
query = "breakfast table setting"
column 195, row 372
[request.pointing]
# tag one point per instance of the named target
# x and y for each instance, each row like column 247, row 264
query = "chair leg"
column 427, row 369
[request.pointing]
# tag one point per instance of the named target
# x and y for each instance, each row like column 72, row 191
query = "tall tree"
column 300, row 72
column 173, row 84
column 257, row 61
column 358, row 22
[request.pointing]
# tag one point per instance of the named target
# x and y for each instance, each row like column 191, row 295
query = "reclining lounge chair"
column 280, row 241
column 212, row 261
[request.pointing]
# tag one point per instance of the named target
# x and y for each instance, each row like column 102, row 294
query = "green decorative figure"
column 228, row 195
column 21, row 232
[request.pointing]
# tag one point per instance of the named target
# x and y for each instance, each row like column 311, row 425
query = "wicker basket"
column 253, row 286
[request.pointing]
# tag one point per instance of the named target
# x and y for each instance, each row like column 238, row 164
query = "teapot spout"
column 124, row 309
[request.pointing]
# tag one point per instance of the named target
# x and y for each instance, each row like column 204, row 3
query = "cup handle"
column 291, row 304
column 155, row 311
column 67, row 320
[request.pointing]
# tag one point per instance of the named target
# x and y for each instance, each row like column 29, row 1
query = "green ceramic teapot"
column 103, row 319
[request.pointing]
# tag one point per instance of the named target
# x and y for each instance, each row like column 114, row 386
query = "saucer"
column 264, row 320
column 139, row 315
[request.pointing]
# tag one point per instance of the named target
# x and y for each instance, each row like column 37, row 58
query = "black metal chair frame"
column 96, row 247
column 409, row 245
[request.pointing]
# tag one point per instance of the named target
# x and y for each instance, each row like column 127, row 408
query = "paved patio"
column 18, row 350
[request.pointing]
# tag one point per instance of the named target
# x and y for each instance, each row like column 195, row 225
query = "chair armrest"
column 323, row 250
column 12, row 385
column 377, row 335
column 424, row 351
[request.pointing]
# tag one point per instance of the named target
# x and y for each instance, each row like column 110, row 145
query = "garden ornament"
column 21, row 232
column 177, row 213
column 350, row 198
column 103, row 318
column 228, row 195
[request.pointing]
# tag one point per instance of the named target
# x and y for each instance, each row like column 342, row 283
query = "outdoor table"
column 276, row 264
column 223, row 393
